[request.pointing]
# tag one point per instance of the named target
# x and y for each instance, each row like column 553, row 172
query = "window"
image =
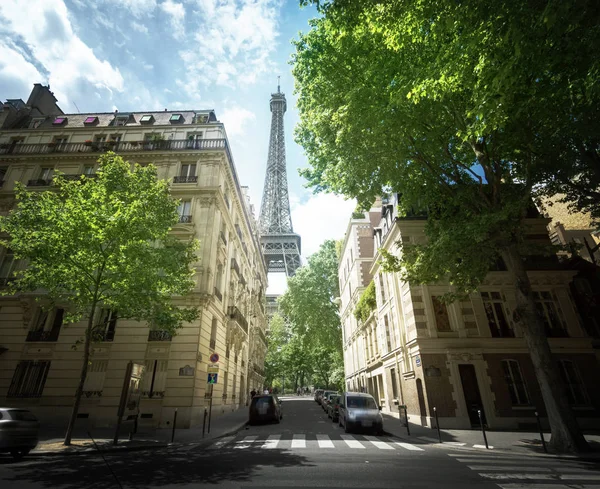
column 121, row 120
column 213, row 333
column 88, row 170
column 495, row 312
column 381, row 287
column 99, row 138
column 147, row 119
column 515, row 383
column 106, row 326
column 387, row 333
column 7, row 267
column 36, row 122
column 550, row 314
column 29, row 379
column 90, row 120
column 155, row 378
column 225, row 379
column 188, row 170
column 575, row 389
column 59, row 121
column 394, row 383
column 94, row 380
column 184, row 210
column 440, row 311
column 46, row 173
column 194, row 140
column 176, row 118
column 2, row 174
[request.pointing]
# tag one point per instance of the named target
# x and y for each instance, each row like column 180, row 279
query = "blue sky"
column 101, row 55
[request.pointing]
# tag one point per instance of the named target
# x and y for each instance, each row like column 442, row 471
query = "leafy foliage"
column 103, row 242
column 366, row 304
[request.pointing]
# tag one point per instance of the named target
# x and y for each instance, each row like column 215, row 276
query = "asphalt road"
column 304, row 450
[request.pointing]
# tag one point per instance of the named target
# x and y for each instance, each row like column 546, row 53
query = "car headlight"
column 351, row 415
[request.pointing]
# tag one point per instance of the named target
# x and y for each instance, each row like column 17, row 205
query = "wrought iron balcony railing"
column 153, row 394
column 42, row 335
column 117, row 146
column 159, row 335
column 185, row 179
column 39, row 182
column 236, row 315
column 185, row 219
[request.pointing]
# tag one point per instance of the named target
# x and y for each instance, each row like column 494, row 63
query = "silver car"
column 358, row 410
column 19, row 431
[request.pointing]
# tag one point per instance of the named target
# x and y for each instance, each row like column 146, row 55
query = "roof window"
column 121, row 119
column 176, row 118
column 147, row 119
column 59, row 121
column 91, row 120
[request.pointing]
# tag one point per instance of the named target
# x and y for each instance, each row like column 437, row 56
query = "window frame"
column 543, row 306
column 29, row 379
column 435, row 300
column 569, row 383
column 508, row 368
column 488, row 299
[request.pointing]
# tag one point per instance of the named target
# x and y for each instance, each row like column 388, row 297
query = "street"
column 305, row 450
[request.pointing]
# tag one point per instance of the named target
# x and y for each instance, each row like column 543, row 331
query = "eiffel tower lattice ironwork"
column 281, row 246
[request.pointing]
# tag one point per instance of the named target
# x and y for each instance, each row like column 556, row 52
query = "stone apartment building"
column 38, row 368
column 467, row 355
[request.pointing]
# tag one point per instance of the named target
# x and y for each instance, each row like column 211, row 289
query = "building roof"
column 108, row 119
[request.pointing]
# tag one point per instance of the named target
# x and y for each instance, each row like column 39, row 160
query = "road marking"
column 246, row 442
column 490, row 447
column 581, row 477
column 299, row 441
column 541, row 462
column 324, row 441
column 455, row 443
column 506, row 467
column 351, row 442
column 221, row 442
column 379, row 444
column 408, row 446
column 546, row 486
column 271, row 442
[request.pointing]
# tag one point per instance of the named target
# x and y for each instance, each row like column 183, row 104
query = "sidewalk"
column 517, row 442
column 51, row 441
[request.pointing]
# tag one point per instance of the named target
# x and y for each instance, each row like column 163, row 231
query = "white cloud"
column 235, row 118
column 177, row 16
column 148, row 66
column 138, row 8
column 236, row 36
column 17, row 75
column 321, row 217
column 47, row 31
column 136, row 26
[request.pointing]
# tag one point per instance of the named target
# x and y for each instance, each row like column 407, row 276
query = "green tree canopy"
column 103, row 242
column 467, row 111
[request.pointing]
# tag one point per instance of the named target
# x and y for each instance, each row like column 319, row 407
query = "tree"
column 458, row 107
column 103, row 242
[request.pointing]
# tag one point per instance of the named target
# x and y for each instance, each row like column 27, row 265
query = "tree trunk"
column 82, row 376
column 566, row 435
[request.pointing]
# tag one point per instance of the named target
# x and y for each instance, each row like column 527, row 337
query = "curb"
column 94, row 451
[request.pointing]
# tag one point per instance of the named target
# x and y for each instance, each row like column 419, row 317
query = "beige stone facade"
column 468, row 355
column 38, row 367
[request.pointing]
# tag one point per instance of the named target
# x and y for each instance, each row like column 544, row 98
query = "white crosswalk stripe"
column 319, row 441
column 532, row 472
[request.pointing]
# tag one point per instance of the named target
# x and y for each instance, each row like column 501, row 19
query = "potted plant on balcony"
column 88, row 142
column 52, row 144
column 111, row 142
column 134, row 143
column 4, row 146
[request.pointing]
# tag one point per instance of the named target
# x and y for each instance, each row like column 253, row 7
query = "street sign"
column 213, row 369
column 212, row 378
column 214, row 358
column 418, row 360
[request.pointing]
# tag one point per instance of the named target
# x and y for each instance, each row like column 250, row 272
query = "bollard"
column 204, row 422
column 539, row 423
column 174, row 425
column 437, row 424
column 406, row 417
column 483, row 429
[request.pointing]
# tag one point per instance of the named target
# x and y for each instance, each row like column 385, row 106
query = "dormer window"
column 91, row 120
column 201, row 119
column 36, row 122
column 147, row 119
column 176, row 118
column 121, row 119
column 59, row 121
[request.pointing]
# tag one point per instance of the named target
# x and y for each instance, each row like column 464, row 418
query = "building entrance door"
column 468, row 378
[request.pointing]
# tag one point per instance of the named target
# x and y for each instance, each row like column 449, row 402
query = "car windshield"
column 362, row 402
column 22, row 415
column 261, row 401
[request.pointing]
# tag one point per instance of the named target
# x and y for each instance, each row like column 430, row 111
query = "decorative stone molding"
column 26, row 306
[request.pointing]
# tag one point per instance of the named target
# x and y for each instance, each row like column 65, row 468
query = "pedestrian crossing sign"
column 212, row 378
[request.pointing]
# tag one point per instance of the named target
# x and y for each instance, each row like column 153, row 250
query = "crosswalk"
column 319, row 441
column 514, row 472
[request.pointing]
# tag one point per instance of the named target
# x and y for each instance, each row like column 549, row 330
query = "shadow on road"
column 176, row 467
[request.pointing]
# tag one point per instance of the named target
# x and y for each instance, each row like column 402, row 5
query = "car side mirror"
column 380, row 408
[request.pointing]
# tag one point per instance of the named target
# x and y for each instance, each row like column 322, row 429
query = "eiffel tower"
column 281, row 246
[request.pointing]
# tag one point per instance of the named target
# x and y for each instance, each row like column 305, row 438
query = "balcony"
column 116, row 146
column 42, row 335
column 185, row 219
column 237, row 316
column 235, row 266
column 39, row 182
column 185, row 179
column 77, row 176
column 239, row 231
column 245, row 248
column 153, row 394
column 260, row 371
column 159, row 335
column 261, row 335
column 218, row 294
column 222, row 235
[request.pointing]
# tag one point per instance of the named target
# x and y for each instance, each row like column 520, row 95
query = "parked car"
column 327, row 400
column 318, row 393
column 333, row 408
column 324, row 396
column 265, row 408
column 358, row 410
column 19, row 431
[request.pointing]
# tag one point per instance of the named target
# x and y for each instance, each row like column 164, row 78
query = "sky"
column 135, row 55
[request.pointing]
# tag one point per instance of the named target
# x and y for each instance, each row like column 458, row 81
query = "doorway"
column 422, row 406
column 468, row 378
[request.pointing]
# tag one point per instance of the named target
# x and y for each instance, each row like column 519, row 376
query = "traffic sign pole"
column 210, row 407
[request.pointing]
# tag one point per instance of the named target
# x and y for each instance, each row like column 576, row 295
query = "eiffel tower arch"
column 280, row 245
